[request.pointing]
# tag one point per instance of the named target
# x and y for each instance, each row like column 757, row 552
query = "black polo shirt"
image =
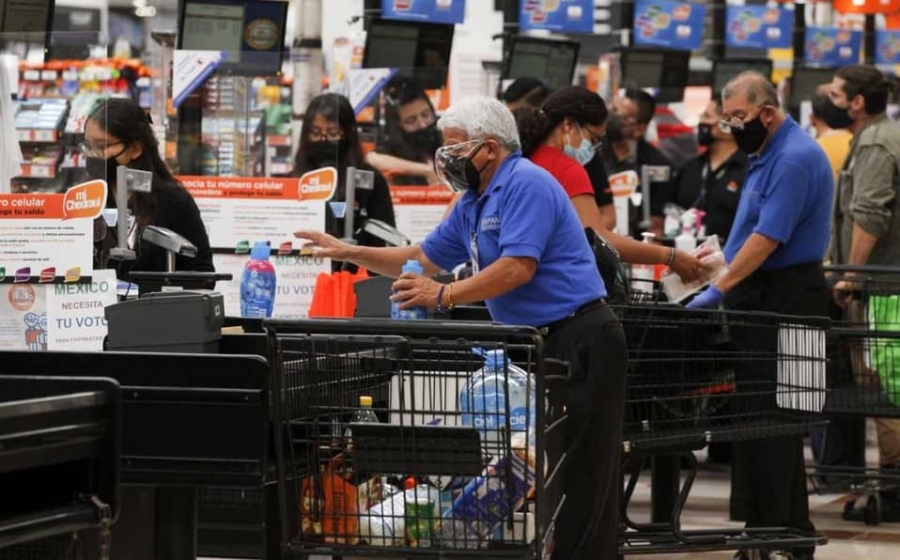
column 715, row 192
column 596, row 170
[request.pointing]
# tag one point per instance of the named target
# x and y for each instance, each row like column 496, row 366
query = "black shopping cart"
column 697, row 377
column 393, row 445
column 864, row 377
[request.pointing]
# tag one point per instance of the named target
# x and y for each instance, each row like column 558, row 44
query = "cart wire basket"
column 864, row 377
column 419, row 440
column 702, row 376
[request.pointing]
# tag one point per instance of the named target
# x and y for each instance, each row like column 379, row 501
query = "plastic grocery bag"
column 884, row 316
column 710, row 254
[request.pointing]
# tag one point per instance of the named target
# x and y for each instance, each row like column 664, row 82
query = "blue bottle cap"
column 260, row 251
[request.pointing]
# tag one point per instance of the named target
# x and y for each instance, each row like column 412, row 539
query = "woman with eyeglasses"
column 410, row 137
column 329, row 138
column 562, row 137
column 118, row 132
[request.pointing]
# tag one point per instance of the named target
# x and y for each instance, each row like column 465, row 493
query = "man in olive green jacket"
column 866, row 229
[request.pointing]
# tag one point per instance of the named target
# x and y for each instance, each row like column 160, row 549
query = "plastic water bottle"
column 484, row 399
column 364, row 415
column 413, row 313
column 258, row 283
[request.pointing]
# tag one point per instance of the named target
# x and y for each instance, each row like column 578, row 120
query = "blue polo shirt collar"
column 775, row 143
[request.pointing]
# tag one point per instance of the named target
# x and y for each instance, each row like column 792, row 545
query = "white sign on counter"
column 239, row 210
column 75, row 313
column 296, row 280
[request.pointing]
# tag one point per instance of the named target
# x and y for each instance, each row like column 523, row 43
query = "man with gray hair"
column 775, row 253
column 532, row 266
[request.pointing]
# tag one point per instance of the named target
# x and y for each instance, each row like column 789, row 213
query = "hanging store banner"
column 887, row 47
column 432, row 11
column 669, row 24
column 561, row 16
column 46, row 238
column 832, row 46
column 758, row 27
column 239, row 211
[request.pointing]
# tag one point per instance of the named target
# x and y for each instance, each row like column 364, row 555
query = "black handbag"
column 610, row 267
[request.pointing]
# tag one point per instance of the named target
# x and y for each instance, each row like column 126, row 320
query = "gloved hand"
column 710, row 298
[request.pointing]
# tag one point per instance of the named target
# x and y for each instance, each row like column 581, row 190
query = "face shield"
column 453, row 165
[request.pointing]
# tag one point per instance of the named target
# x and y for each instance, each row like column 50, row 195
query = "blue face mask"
column 583, row 154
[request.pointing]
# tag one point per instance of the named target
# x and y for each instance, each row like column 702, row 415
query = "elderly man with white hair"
column 534, row 267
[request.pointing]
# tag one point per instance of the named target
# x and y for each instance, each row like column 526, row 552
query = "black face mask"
column 100, row 168
column 836, row 117
column 705, row 135
column 428, row 138
column 614, row 128
column 750, row 138
column 326, row 152
column 462, row 173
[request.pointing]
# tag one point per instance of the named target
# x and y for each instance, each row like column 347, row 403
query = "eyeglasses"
column 328, row 135
column 736, row 123
column 96, row 150
column 596, row 143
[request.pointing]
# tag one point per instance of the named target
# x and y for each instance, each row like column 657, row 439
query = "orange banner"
column 31, row 206
column 422, row 195
column 315, row 185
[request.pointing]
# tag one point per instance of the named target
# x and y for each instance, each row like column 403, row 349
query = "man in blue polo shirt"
column 532, row 266
column 774, row 252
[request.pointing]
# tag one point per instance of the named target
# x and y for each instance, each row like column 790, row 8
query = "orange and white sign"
column 49, row 236
column 418, row 210
column 249, row 209
column 624, row 187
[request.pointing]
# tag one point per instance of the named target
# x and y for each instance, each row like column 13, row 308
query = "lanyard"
column 473, row 240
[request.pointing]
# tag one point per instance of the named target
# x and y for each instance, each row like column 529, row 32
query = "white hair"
column 483, row 117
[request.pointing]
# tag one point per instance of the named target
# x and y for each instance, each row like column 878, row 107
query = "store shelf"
column 278, row 140
column 38, row 171
column 48, row 136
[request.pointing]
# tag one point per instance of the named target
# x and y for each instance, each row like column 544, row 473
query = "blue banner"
column 432, row 11
column 564, row 16
column 758, row 27
column 832, row 46
column 668, row 23
column 887, row 47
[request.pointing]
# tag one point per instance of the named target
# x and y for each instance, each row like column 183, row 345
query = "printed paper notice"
column 75, row 313
column 23, row 317
column 192, row 68
column 296, row 280
column 248, row 209
column 44, row 237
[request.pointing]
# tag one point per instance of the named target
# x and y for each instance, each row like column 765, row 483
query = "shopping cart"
column 438, row 474
column 864, row 380
column 697, row 377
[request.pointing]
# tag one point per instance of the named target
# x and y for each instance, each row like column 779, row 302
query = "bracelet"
column 450, row 305
column 440, row 298
column 671, row 257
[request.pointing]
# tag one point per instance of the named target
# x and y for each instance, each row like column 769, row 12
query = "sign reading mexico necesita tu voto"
column 758, row 27
column 432, row 11
column 572, row 16
column 668, row 23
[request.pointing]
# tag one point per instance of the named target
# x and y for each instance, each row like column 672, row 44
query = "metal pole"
column 869, row 39
column 122, row 206
column 350, row 202
column 306, row 57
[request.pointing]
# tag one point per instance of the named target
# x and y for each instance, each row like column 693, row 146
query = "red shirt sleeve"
column 573, row 177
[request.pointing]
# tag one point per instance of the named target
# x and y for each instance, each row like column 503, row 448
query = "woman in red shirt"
column 562, row 136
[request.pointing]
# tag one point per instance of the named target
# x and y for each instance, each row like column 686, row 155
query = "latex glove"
column 710, row 298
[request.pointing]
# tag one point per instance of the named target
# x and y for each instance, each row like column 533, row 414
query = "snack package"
column 710, row 254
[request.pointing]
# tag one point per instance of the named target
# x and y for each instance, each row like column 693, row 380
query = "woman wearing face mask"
column 410, row 137
column 562, row 136
column 118, row 132
column 329, row 138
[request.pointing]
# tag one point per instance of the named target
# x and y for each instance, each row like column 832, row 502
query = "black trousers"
column 594, row 345
column 768, row 477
